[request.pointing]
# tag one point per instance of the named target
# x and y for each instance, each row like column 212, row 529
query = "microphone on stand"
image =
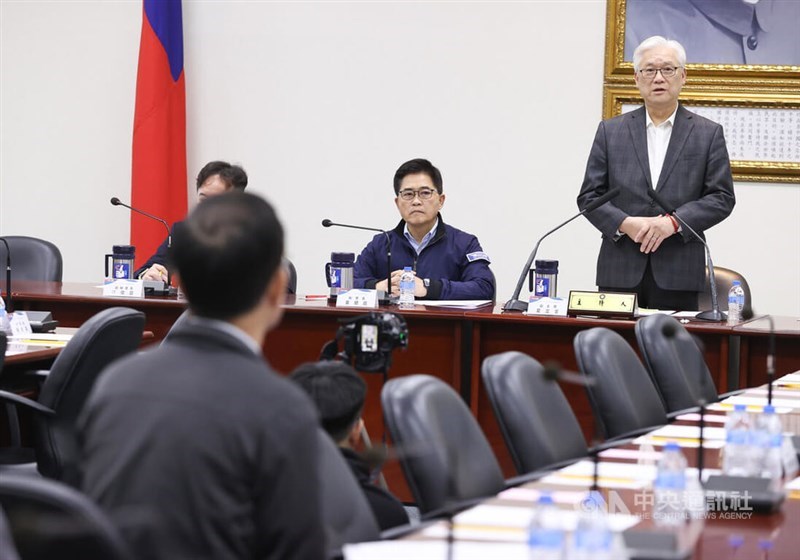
column 328, row 223
column 714, row 314
column 117, row 202
column 515, row 304
column 9, row 303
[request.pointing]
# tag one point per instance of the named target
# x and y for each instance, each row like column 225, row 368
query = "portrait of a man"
column 748, row 32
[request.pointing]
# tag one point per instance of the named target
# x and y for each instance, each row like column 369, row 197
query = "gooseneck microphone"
column 9, row 303
column 514, row 304
column 328, row 223
column 714, row 314
column 117, row 202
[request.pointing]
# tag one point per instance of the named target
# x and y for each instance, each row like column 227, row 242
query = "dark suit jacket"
column 695, row 179
column 160, row 256
column 198, row 450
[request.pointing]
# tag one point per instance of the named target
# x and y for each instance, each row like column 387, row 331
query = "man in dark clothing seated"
column 339, row 394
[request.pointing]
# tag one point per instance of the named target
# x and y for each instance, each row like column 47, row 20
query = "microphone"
column 117, row 202
column 714, row 314
column 9, row 303
column 328, row 223
column 554, row 372
column 514, row 304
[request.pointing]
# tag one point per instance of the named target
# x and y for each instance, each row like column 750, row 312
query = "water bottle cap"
column 737, row 283
column 736, row 541
column 407, row 269
column 672, row 446
column 739, row 407
column 545, row 498
column 769, row 409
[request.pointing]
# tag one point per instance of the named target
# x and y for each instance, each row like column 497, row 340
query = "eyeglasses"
column 666, row 72
column 423, row 194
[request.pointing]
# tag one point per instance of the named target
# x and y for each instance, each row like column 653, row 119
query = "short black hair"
column 233, row 176
column 226, row 253
column 414, row 166
column 337, row 390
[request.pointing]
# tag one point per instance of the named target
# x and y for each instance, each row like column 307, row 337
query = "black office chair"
column 536, row 420
column 445, row 457
column 291, row 286
column 725, row 278
column 346, row 514
column 108, row 335
column 50, row 520
column 624, row 399
column 676, row 364
column 33, row 259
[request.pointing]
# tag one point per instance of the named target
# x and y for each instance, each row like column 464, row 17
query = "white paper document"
column 456, row 303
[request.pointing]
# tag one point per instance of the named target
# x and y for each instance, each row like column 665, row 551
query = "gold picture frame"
column 733, row 88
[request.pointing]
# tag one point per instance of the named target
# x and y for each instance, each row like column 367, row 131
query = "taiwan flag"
column 158, row 177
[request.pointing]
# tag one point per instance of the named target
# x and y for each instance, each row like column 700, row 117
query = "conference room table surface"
column 449, row 343
column 496, row 528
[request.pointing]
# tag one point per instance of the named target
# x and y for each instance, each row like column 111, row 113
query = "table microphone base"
column 515, row 305
column 743, row 493
column 654, row 545
column 158, row 288
column 711, row 315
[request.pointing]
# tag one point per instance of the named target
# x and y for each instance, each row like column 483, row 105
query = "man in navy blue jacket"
column 449, row 263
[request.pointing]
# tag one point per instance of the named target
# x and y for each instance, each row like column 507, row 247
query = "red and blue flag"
column 158, row 176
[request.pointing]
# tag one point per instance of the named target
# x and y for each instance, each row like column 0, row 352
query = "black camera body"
column 369, row 340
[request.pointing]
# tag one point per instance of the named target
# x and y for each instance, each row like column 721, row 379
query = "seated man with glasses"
column 666, row 148
column 448, row 262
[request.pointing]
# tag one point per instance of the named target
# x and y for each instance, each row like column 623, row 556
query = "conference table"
column 449, row 343
column 497, row 527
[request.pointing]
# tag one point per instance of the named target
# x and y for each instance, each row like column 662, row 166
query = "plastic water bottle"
column 407, row 289
column 735, row 303
column 738, row 459
column 545, row 533
column 5, row 325
column 669, row 487
column 769, row 436
column 593, row 538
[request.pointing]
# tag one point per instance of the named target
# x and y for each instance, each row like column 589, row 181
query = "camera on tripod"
column 369, row 341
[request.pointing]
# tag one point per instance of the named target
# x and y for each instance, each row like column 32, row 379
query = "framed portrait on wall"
column 753, row 41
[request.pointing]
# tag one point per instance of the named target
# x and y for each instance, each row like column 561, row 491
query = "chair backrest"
column 33, row 259
column 108, row 335
column 675, row 362
column 291, row 285
column 535, row 418
column 624, row 399
column 49, row 520
column 346, row 514
column 725, row 278
column 444, row 455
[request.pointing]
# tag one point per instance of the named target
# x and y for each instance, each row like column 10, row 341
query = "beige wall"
column 321, row 102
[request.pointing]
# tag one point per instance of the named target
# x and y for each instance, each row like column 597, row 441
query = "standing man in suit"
column 197, row 448
column 681, row 155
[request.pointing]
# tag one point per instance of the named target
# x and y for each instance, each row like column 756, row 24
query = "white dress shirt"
column 657, row 143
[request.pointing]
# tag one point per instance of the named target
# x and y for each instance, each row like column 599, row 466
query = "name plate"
column 357, row 298
column 20, row 325
column 602, row 304
column 124, row 288
column 556, row 307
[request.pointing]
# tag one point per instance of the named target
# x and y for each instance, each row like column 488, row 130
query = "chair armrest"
column 20, row 400
column 675, row 413
column 40, row 374
column 732, row 394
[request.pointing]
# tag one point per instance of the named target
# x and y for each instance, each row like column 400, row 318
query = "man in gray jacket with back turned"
column 197, row 449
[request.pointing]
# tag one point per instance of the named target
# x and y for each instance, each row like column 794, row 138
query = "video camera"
column 369, row 341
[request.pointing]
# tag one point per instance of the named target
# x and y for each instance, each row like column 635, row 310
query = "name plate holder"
column 20, row 325
column 547, row 306
column 124, row 288
column 367, row 299
column 613, row 305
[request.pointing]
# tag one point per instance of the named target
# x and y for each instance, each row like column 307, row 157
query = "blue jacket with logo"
column 453, row 261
